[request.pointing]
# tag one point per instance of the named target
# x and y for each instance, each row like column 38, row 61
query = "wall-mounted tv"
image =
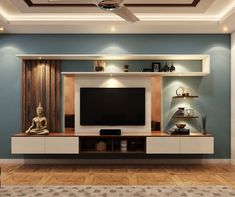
column 112, row 106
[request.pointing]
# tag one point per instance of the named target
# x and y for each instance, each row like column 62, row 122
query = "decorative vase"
column 172, row 68
column 126, row 68
column 166, row 68
column 204, row 131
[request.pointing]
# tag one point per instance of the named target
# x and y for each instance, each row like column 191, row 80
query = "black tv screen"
column 112, row 106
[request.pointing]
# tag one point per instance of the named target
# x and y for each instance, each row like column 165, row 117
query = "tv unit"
column 112, row 106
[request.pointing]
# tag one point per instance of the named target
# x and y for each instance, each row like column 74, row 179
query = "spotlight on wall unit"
column 225, row 28
column 40, row 58
column 1, row 29
column 113, row 29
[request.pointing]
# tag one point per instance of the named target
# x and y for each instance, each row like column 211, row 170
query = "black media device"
column 112, row 106
column 110, row 131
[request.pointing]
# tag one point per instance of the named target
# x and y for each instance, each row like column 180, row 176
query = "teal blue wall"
column 214, row 90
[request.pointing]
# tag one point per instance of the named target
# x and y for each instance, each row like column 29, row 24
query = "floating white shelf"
column 115, row 56
column 135, row 74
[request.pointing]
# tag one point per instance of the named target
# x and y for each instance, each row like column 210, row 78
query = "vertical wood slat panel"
column 57, row 95
column 48, row 93
column 29, row 83
column 43, row 95
column 23, row 96
column 53, row 117
column 41, row 82
column 33, row 93
column 38, row 82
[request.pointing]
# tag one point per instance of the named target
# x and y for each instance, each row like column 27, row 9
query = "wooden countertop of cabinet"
column 129, row 134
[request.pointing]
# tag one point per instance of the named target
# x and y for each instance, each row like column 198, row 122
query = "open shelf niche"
column 141, row 57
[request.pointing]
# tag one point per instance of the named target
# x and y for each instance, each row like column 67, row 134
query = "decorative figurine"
column 39, row 123
column 172, row 68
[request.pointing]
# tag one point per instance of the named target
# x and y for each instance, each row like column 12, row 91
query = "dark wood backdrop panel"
column 41, row 83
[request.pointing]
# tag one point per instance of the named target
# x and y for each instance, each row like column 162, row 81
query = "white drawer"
column 62, row 145
column 197, row 145
column 163, row 145
column 27, row 145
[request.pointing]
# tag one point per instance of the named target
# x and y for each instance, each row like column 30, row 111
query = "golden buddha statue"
column 39, row 123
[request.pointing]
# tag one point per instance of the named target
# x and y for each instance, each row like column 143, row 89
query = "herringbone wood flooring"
column 181, row 175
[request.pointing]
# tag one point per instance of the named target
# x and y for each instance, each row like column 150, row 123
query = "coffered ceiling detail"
column 156, row 16
column 147, row 3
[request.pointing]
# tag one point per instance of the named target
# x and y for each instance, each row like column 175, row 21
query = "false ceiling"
column 80, row 16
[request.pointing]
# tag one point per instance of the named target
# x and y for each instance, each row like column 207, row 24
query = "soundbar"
column 110, row 131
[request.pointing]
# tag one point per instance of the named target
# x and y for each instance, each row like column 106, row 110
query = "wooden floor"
column 179, row 175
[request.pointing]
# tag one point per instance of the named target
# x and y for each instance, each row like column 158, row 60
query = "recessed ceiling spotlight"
column 1, row 29
column 113, row 29
column 225, row 28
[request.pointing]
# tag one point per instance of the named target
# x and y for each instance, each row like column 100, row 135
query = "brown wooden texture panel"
column 28, row 92
column 69, row 94
column 33, row 90
column 156, row 95
column 38, row 82
column 58, row 96
column 53, row 97
column 23, row 95
column 43, row 94
column 41, row 82
column 48, row 93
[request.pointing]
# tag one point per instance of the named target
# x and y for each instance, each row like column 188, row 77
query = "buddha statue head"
column 39, row 110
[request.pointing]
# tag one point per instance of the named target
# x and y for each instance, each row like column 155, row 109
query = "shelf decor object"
column 99, row 65
column 204, row 132
column 156, row 67
column 172, row 68
column 39, row 123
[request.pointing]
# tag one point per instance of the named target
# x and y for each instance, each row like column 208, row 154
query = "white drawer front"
column 163, row 145
column 27, row 145
column 62, row 145
column 197, row 145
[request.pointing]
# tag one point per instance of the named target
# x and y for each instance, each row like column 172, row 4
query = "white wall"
column 114, row 82
column 233, row 98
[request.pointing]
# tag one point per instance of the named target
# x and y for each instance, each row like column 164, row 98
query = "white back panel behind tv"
column 144, row 82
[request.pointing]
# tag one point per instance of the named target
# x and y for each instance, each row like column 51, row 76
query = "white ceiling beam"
column 3, row 19
column 228, row 15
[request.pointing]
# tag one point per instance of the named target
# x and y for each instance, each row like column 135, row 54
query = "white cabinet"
column 27, row 145
column 45, row 145
column 180, row 145
column 162, row 145
column 197, row 145
column 62, row 145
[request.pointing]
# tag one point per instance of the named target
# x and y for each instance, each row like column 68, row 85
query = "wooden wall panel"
column 156, row 84
column 69, row 95
column 48, row 93
column 41, row 83
column 52, row 99
column 23, row 95
column 28, row 95
column 58, row 93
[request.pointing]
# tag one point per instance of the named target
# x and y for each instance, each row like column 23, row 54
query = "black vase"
column 166, row 68
column 172, row 68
